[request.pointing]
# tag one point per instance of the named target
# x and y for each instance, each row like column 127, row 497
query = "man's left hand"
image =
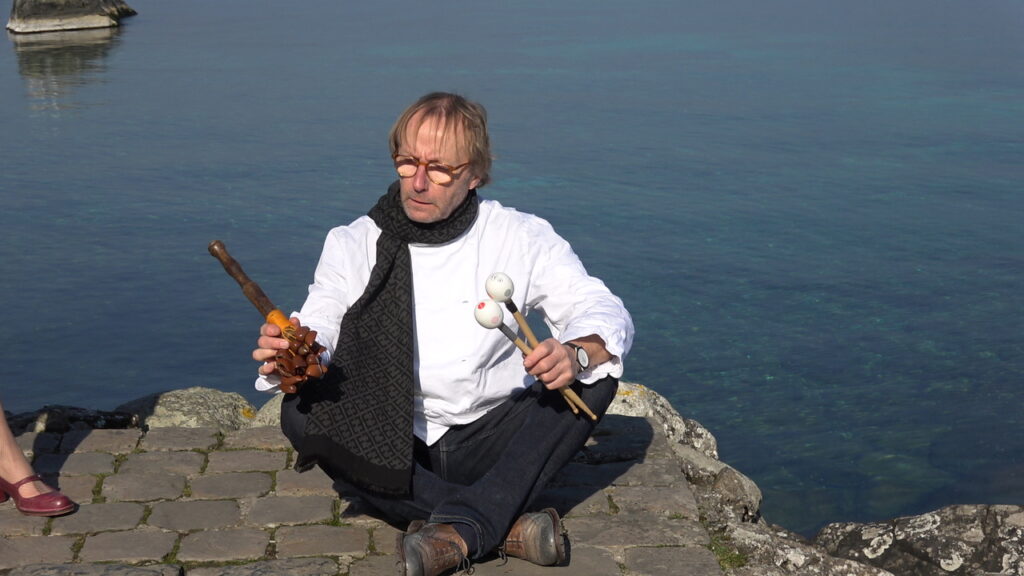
column 552, row 363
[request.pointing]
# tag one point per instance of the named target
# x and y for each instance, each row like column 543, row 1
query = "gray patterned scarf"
column 361, row 414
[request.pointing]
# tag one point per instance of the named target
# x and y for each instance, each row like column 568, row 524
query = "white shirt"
column 463, row 369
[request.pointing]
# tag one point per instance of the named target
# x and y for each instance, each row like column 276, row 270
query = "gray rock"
column 728, row 495
column 54, row 15
column 773, row 551
column 270, row 413
column 638, row 400
column 736, row 495
column 956, row 540
column 192, row 408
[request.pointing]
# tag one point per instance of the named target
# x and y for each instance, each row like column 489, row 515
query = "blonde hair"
column 468, row 123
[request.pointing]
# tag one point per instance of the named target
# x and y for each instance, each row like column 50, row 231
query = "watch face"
column 582, row 358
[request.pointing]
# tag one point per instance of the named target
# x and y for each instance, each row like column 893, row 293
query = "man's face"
column 424, row 201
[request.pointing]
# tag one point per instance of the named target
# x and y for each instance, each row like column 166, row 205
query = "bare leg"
column 13, row 465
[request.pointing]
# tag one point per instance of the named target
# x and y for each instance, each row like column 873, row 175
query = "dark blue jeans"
column 481, row 476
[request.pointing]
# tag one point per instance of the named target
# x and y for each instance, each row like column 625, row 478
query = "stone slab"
column 286, row 567
column 597, row 476
column 321, row 540
column 14, row 523
column 78, row 488
column 92, row 518
column 231, row 485
column 315, row 481
column 194, row 515
column 246, row 461
column 290, row 510
column 134, row 546
column 143, row 486
column 374, row 566
column 574, row 501
column 383, row 537
column 652, row 473
column 96, row 570
column 110, row 441
column 621, row 531
column 675, row 501
column 20, row 551
column 74, row 464
column 224, row 545
column 180, row 439
column 259, row 438
column 182, row 463
column 683, row 561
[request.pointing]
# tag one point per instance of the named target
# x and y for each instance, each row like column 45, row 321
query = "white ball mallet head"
column 499, row 287
column 489, row 314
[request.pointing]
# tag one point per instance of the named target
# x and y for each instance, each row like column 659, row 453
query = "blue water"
column 812, row 208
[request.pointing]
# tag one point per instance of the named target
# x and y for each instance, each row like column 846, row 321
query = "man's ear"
column 474, row 183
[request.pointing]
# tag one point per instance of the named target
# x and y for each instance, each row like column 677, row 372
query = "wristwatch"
column 582, row 360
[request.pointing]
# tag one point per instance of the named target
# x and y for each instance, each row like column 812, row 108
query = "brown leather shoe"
column 536, row 537
column 431, row 550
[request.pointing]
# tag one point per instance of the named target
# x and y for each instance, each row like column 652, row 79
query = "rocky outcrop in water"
column 956, row 540
column 730, row 503
column 29, row 16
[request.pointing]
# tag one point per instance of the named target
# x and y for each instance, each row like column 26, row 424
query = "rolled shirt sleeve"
column 575, row 304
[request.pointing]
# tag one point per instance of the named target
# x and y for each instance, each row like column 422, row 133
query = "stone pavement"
column 196, row 502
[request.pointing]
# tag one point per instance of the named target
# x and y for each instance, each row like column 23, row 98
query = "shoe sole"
column 48, row 513
column 559, row 535
column 414, row 527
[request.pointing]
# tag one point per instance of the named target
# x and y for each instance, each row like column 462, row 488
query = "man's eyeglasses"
column 438, row 172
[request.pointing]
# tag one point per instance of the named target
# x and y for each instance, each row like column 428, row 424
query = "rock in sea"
column 28, row 16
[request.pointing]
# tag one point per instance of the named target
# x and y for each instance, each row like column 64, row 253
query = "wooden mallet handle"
column 523, row 346
column 521, row 320
column 251, row 289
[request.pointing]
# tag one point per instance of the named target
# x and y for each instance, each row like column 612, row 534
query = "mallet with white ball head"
column 489, row 315
column 500, row 287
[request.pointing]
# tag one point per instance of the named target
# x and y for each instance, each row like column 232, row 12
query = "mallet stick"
column 252, row 290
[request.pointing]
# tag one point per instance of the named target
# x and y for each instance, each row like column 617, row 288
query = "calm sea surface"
column 813, row 209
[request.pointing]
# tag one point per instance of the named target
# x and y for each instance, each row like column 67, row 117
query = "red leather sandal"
column 51, row 503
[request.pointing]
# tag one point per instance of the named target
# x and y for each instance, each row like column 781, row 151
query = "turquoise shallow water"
column 813, row 210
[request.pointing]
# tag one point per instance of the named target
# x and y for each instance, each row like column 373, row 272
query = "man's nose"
column 420, row 180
